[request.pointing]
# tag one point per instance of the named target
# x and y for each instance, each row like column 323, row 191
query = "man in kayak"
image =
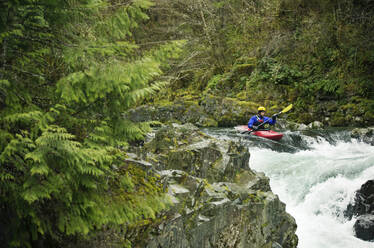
column 256, row 120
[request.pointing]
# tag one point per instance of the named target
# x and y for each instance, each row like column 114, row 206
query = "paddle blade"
column 286, row 109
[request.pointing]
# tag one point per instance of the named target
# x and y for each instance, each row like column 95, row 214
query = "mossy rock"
column 225, row 121
column 207, row 122
column 304, row 118
column 338, row 120
column 369, row 117
column 164, row 103
column 352, row 109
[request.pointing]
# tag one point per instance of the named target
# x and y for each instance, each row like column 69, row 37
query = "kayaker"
column 256, row 120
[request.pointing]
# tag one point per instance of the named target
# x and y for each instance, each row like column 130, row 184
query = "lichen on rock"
column 218, row 200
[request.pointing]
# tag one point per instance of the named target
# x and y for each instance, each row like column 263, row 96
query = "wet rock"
column 364, row 134
column 363, row 208
column 218, row 201
column 364, row 227
column 363, row 201
column 300, row 127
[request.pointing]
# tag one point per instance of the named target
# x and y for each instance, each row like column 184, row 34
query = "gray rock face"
column 218, row 200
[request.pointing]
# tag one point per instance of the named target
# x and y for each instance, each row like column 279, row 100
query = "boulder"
column 315, row 125
column 218, row 201
column 363, row 209
column 363, row 201
column 184, row 147
column 364, row 227
column 227, row 111
column 364, row 134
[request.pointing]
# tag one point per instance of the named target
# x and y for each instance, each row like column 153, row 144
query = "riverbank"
column 218, row 111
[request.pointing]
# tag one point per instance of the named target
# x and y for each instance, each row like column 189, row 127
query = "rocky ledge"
column 218, row 201
column 208, row 111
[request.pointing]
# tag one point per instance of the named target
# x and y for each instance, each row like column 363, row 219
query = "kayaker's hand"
column 274, row 117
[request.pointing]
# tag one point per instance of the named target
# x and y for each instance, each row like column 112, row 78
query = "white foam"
column 317, row 185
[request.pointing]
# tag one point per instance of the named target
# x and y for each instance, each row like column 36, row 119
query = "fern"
column 74, row 70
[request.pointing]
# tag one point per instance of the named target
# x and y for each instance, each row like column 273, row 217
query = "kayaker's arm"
column 251, row 122
column 271, row 120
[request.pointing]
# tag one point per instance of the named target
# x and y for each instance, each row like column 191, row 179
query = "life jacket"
column 266, row 126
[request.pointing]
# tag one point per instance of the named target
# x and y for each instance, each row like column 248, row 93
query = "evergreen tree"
column 68, row 70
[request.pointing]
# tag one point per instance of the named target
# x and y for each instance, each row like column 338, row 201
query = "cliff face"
column 218, row 201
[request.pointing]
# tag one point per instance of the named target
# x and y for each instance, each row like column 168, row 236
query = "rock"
column 364, row 134
column 253, row 219
column 218, row 200
column 276, row 245
column 211, row 111
column 363, row 208
column 191, row 151
column 364, row 227
column 301, row 127
column 227, row 111
column 363, row 201
column 315, row 125
column 181, row 111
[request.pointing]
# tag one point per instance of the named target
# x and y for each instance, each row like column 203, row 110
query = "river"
column 316, row 174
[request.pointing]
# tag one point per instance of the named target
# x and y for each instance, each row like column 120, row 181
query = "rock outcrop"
column 218, row 200
column 363, row 209
column 209, row 111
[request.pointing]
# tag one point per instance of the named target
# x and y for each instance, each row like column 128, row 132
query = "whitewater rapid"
column 316, row 175
column 317, row 185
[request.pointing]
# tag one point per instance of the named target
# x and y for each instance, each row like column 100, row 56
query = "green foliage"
column 68, row 71
column 304, row 51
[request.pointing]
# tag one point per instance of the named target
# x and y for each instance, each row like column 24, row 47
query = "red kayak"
column 268, row 134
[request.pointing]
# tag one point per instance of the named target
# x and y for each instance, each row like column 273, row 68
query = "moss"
column 164, row 103
column 190, row 102
column 243, row 177
column 209, row 122
column 242, row 95
column 252, row 106
column 338, row 120
column 304, row 118
column 352, row 109
column 243, row 69
column 226, row 120
column 369, row 117
column 155, row 124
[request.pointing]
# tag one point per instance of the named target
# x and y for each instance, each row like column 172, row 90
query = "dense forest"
column 318, row 55
column 70, row 69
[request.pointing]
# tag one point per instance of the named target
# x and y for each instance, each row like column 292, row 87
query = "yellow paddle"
column 286, row 109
